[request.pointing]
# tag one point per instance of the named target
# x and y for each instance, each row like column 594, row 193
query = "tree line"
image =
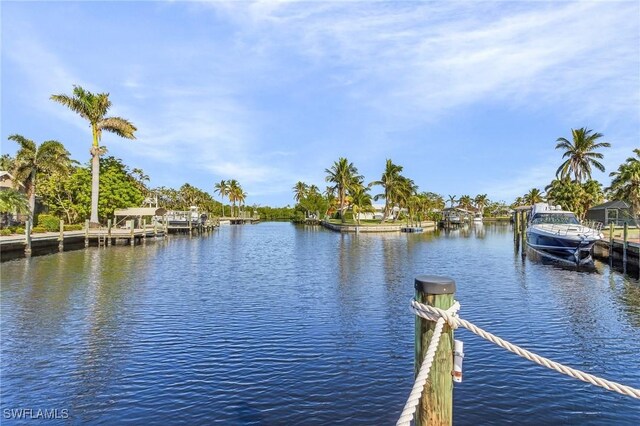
column 75, row 192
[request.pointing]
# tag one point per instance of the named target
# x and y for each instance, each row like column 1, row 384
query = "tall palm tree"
column 390, row 181
column 580, row 154
column 300, row 191
column 32, row 160
column 343, row 174
column 626, row 183
column 452, row 199
column 235, row 194
column 533, row 196
column 360, row 200
column 465, row 201
column 481, row 201
column 93, row 108
column 222, row 188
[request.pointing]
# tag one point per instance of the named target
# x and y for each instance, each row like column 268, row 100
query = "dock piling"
column 625, row 242
column 86, row 233
column 132, row 224
column 61, row 236
column 27, row 238
column 611, row 229
column 109, row 232
column 436, row 404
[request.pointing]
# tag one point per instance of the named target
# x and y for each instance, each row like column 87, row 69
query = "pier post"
column 523, row 232
column 189, row 224
column 86, row 233
column 132, row 228
column 611, row 239
column 436, row 404
column 144, row 230
column 27, row 238
column 61, row 236
column 109, row 232
column 625, row 242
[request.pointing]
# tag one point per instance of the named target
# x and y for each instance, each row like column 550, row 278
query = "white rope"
column 433, row 314
column 423, row 374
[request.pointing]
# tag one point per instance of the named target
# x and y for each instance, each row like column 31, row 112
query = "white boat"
column 558, row 234
column 477, row 217
column 225, row 222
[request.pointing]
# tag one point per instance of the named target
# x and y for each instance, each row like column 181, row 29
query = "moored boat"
column 558, row 234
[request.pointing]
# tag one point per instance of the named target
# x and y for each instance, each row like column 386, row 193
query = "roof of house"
column 4, row 173
column 615, row 204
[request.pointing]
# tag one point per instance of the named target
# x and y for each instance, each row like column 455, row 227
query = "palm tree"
column 7, row 163
column 13, row 201
column 360, row 201
column 222, row 188
column 533, row 196
column 300, row 191
column 452, row 199
column 32, row 160
column 626, row 183
column 235, row 194
column 93, row 108
column 465, row 201
column 580, row 154
column 390, row 182
column 481, row 201
column 343, row 174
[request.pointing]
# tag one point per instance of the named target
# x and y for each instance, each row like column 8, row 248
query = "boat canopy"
column 140, row 211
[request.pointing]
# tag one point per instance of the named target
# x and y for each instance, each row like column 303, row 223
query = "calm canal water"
column 274, row 324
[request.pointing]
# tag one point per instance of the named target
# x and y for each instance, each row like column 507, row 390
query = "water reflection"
column 280, row 324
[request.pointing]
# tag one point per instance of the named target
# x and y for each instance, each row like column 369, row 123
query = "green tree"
column 465, row 202
column 235, row 194
column 32, row 161
column 533, row 196
column 300, row 191
column 343, row 174
column 7, row 163
column 481, row 201
column 13, row 201
column 360, row 201
column 625, row 185
column 222, row 189
column 580, row 154
column 452, row 200
column 390, row 182
column 94, row 108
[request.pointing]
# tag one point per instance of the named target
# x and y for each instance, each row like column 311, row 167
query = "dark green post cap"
column 434, row 284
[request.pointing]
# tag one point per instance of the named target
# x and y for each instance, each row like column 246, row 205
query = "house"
column 616, row 212
column 8, row 181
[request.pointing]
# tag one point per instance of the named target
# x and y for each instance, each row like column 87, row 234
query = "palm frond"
column 120, row 126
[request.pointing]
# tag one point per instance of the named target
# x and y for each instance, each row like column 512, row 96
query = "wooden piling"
column 436, row 404
column 109, row 232
column 611, row 229
column 61, row 236
column 86, row 233
column 27, row 238
column 133, row 230
column 625, row 242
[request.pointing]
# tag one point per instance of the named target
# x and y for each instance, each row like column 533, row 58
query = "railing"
column 430, row 401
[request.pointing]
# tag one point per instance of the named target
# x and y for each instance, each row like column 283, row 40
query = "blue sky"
column 468, row 96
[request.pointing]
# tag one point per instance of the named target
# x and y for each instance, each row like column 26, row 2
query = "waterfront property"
column 616, row 212
column 129, row 334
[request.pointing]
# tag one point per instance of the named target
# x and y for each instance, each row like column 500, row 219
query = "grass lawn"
column 633, row 235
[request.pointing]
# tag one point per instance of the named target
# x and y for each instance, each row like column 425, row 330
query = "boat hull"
column 570, row 248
